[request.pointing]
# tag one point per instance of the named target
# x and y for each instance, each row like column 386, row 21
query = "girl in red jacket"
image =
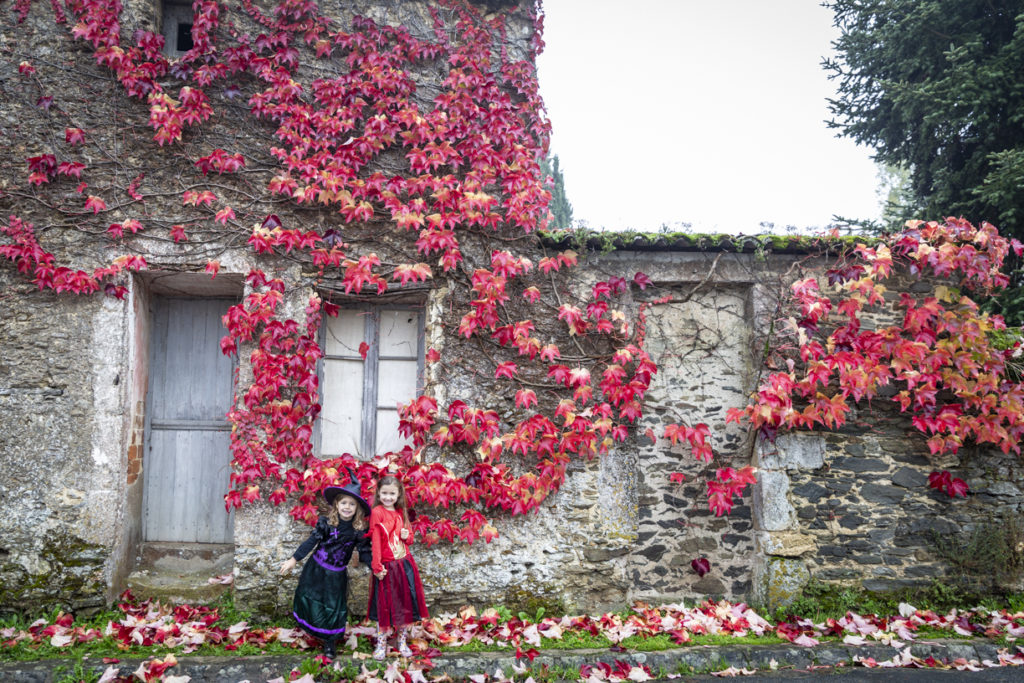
column 396, row 592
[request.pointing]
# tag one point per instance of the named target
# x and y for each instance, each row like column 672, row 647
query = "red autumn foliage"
column 945, row 359
column 472, row 166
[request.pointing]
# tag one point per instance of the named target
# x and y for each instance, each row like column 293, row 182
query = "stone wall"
column 848, row 506
column 62, row 473
column 854, row 507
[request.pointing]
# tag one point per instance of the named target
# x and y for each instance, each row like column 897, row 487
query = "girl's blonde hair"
column 402, row 504
column 333, row 518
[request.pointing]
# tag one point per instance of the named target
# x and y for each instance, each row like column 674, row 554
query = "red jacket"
column 386, row 533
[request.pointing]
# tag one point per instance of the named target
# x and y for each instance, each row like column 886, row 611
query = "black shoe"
column 329, row 651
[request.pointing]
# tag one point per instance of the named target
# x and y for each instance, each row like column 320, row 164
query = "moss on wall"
column 73, row 579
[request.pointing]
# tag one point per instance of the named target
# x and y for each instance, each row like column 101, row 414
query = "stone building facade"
column 80, row 415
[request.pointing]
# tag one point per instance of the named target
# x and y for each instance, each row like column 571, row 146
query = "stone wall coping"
column 681, row 241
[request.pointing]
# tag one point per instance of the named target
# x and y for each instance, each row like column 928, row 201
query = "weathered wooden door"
column 187, row 462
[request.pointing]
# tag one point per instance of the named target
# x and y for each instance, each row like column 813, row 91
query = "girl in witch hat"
column 321, row 598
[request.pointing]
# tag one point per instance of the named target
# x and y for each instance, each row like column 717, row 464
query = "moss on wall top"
column 629, row 240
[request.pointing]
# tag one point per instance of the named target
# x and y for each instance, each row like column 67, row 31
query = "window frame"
column 371, row 316
column 172, row 15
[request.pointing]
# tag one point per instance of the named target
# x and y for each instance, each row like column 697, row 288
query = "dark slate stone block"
column 860, row 464
column 740, row 512
column 653, row 553
column 923, row 571
column 935, row 525
column 837, row 574
column 812, row 492
column 733, row 539
column 866, row 559
column 909, row 478
column 839, row 485
column 882, row 493
column 880, row 536
column 806, row 512
column 851, row 521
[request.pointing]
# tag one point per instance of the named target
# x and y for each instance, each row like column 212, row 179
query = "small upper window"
column 177, row 28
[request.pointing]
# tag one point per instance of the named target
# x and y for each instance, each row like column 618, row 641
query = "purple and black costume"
column 321, row 598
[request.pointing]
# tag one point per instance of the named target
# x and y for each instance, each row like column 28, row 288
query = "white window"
column 177, row 27
column 361, row 395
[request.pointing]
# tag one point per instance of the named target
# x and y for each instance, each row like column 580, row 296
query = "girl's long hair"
column 401, row 503
column 358, row 519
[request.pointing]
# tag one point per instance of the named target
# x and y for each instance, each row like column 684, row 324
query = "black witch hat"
column 352, row 488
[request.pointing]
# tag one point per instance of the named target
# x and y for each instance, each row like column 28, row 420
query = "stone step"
column 181, row 572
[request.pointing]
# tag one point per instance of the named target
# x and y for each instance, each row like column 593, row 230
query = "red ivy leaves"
column 221, row 162
column 942, row 358
column 696, row 436
column 95, row 204
column 944, row 481
column 472, row 165
column 30, row 258
column 74, row 136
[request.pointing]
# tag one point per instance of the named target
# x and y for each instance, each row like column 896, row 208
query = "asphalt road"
column 842, row 675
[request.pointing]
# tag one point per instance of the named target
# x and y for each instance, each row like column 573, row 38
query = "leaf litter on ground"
column 151, row 627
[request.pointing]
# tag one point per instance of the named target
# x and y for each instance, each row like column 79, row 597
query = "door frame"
column 153, row 298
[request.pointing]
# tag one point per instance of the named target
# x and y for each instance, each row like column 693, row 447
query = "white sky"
column 705, row 111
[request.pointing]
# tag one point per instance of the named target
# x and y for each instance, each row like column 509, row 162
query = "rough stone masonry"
column 848, row 506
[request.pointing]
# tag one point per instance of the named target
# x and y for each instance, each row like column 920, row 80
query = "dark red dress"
column 397, row 599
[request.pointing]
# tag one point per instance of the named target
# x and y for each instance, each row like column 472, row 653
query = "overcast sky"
column 705, row 112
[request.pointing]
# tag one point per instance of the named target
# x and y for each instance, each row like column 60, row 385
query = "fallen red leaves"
column 185, row 628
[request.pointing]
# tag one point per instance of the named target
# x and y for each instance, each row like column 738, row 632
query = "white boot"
column 381, row 649
column 403, row 647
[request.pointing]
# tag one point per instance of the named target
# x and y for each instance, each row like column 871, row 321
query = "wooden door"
column 187, row 465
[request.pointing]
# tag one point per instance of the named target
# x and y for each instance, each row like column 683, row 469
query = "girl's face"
column 388, row 495
column 346, row 507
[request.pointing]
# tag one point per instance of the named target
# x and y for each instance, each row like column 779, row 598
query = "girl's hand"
column 404, row 533
column 381, row 574
column 287, row 565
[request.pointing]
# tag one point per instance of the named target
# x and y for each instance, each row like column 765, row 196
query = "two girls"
column 396, row 592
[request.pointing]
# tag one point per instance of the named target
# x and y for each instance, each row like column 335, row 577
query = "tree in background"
column 560, row 207
column 937, row 87
column 894, row 195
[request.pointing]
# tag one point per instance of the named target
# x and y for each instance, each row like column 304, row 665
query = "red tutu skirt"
column 397, row 599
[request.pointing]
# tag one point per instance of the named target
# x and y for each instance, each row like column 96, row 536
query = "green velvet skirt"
column 321, row 599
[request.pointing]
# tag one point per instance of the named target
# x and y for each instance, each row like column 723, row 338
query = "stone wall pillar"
column 780, row 571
